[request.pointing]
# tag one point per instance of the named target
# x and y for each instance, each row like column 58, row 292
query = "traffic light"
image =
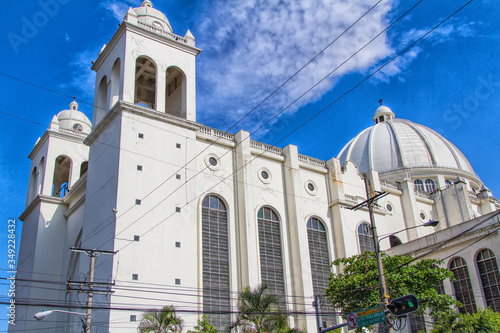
column 403, row 305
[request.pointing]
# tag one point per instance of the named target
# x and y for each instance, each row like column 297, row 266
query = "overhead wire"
column 321, row 111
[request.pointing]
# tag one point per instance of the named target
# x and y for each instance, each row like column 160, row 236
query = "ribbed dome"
column 147, row 14
column 73, row 119
column 401, row 144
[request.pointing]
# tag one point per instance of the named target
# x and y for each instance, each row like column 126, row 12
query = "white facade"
column 152, row 169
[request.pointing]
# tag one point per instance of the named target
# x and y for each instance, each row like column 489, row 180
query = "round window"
column 78, row 127
column 311, row 187
column 422, row 216
column 389, row 207
column 264, row 175
column 212, row 161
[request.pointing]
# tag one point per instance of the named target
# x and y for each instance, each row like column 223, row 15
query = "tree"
column 357, row 287
column 161, row 321
column 483, row 321
column 258, row 312
column 204, row 326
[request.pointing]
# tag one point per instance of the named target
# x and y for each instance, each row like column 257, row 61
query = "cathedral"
column 144, row 207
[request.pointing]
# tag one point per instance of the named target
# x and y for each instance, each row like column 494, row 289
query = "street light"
column 430, row 223
column 82, row 316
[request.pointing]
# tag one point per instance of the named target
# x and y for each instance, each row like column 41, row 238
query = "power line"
column 371, row 8
column 314, row 116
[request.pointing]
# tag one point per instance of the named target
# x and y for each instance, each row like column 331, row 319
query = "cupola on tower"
column 146, row 64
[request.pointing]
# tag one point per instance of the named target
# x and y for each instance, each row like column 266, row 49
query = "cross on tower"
column 380, row 101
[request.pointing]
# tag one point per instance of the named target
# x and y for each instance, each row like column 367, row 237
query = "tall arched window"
column 462, row 285
column 490, row 279
column 215, row 251
column 145, row 83
column 365, row 237
column 430, row 186
column 320, row 265
column 419, row 185
column 271, row 260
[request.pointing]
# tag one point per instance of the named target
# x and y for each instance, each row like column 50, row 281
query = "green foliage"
column 483, row 321
column 204, row 326
column 357, row 287
column 161, row 321
column 258, row 312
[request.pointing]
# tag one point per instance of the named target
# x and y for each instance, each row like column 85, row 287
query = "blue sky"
column 450, row 81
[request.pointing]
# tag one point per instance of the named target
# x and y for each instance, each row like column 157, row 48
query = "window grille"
column 365, row 237
column 216, row 292
column 430, row 186
column 462, row 285
column 417, row 322
column 490, row 279
column 320, row 265
column 419, row 185
column 271, row 260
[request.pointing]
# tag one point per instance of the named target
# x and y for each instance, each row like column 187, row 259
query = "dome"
column 398, row 144
column 73, row 119
column 153, row 17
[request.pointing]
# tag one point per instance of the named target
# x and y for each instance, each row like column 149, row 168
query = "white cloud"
column 117, row 8
column 251, row 48
column 82, row 79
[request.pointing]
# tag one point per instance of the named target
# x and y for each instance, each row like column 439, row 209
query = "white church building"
column 194, row 214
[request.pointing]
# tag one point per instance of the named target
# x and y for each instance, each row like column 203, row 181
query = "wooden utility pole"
column 92, row 253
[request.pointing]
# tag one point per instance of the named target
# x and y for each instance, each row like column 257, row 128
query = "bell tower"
column 146, row 64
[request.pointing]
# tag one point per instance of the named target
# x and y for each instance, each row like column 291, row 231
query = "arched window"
column 320, row 265
column 365, row 237
column 462, row 285
column 429, row 185
column 62, row 170
column 145, row 83
column 419, row 185
column 215, row 251
column 175, row 95
column 448, row 183
column 271, row 260
column 490, row 279
column 394, row 241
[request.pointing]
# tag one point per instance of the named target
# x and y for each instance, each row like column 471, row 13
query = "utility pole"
column 316, row 305
column 370, row 203
column 92, row 253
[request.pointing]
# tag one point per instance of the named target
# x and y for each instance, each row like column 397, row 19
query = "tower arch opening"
column 145, row 82
column 101, row 97
column 62, row 170
column 175, row 94
column 84, row 167
column 41, row 176
column 115, row 87
column 32, row 184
